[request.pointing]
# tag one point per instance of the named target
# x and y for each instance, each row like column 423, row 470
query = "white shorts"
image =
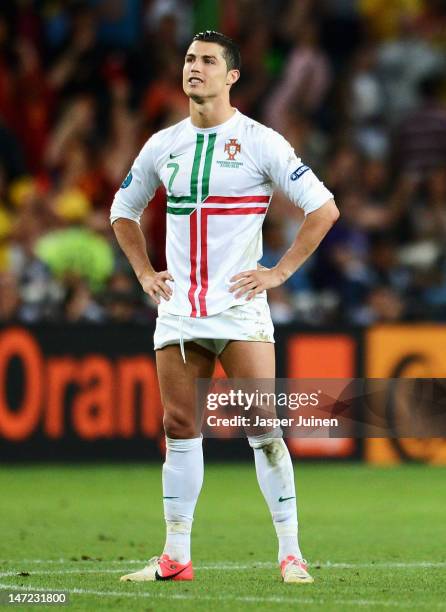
column 250, row 322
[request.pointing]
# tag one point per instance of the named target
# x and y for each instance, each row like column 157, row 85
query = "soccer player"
column 219, row 168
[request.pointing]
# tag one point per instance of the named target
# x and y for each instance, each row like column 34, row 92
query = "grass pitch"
column 375, row 538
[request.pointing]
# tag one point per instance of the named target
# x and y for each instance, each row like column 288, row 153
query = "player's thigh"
column 252, row 361
column 243, row 359
column 177, row 380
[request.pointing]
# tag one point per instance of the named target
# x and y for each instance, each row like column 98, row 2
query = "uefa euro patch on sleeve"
column 128, row 179
column 298, row 172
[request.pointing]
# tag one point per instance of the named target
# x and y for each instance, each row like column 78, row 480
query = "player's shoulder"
column 252, row 126
column 172, row 131
column 259, row 131
column 164, row 138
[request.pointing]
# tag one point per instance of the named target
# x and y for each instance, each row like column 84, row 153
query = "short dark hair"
column 231, row 51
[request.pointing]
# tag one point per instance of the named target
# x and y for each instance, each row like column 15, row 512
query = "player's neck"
column 210, row 114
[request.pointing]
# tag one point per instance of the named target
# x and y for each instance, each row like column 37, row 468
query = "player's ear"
column 232, row 77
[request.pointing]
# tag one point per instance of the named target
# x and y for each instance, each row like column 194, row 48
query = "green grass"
column 96, row 523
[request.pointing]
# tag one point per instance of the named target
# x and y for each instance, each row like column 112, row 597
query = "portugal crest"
column 232, row 147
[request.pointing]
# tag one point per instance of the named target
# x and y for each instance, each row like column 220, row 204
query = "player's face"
column 205, row 73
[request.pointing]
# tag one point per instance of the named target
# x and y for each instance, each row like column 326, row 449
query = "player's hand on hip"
column 252, row 282
column 155, row 285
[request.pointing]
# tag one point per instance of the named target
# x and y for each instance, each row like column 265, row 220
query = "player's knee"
column 178, row 425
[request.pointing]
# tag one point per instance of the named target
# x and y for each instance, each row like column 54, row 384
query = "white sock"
column 182, row 481
column 276, row 480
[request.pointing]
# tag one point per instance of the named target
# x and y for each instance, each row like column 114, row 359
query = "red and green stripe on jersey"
column 203, row 264
column 193, row 197
column 206, row 205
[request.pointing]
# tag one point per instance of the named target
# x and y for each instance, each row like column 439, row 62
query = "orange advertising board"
column 103, row 394
column 406, row 351
column 321, row 356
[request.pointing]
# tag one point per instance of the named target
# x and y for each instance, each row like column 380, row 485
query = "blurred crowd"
column 357, row 87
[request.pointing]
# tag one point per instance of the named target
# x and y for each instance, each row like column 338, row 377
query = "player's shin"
column 182, row 481
column 276, row 480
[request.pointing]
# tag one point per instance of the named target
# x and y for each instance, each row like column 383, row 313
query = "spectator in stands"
column 383, row 305
column 75, row 250
column 420, row 142
column 123, row 301
column 10, row 304
column 402, row 63
column 305, row 81
column 365, row 104
column 78, row 304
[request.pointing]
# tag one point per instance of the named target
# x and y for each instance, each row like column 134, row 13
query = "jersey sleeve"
column 291, row 175
column 138, row 187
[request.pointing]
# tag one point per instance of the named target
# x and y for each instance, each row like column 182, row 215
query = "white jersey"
column 219, row 183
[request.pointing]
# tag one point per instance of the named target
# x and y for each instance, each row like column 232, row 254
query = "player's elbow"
column 326, row 215
column 122, row 222
column 333, row 212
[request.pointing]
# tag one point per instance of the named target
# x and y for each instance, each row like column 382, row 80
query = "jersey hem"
column 174, row 311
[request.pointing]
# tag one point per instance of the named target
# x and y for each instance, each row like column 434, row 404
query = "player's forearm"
column 132, row 242
column 315, row 227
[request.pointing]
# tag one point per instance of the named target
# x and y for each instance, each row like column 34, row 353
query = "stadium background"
column 356, row 86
